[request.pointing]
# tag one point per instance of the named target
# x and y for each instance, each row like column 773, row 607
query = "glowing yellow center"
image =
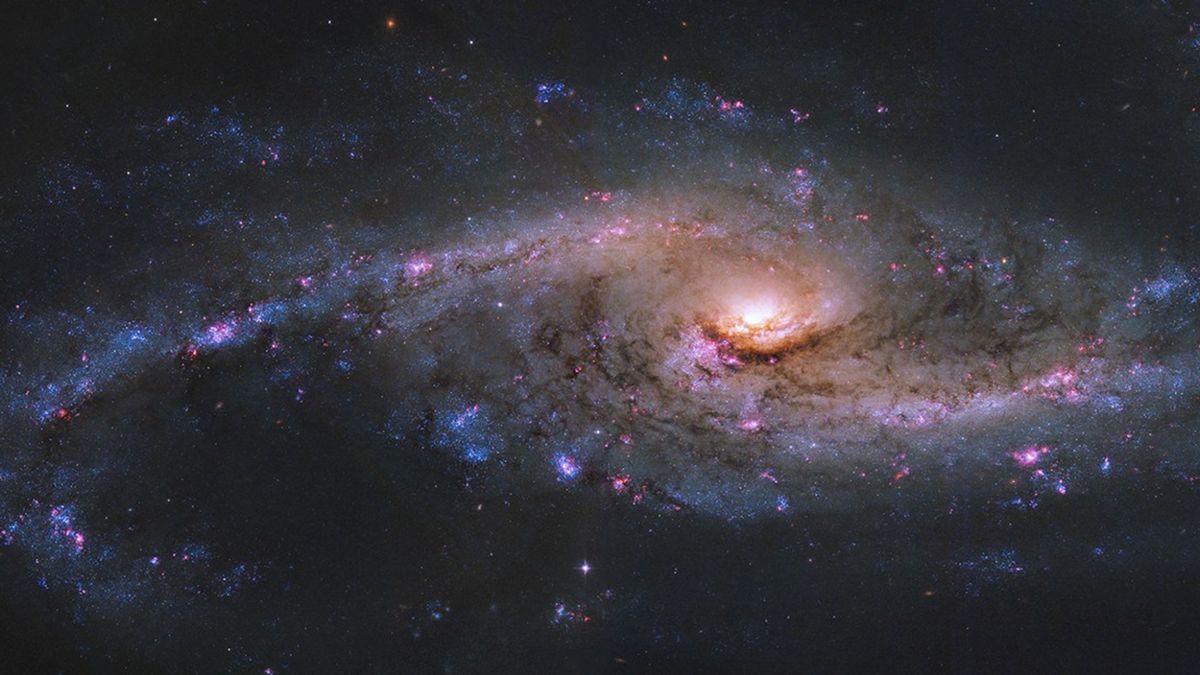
column 757, row 315
column 764, row 326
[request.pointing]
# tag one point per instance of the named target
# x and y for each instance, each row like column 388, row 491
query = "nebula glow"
column 723, row 321
column 691, row 357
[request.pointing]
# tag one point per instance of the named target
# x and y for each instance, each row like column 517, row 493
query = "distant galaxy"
column 658, row 337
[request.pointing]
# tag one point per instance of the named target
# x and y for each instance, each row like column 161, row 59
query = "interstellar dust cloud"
column 715, row 343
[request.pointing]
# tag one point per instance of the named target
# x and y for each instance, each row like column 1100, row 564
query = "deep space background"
column 375, row 337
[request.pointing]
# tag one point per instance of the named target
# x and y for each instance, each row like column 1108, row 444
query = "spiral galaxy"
column 461, row 365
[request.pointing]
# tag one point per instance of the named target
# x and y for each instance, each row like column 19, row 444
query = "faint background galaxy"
column 638, row 336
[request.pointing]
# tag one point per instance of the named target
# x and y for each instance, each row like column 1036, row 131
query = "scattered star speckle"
column 662, row 336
